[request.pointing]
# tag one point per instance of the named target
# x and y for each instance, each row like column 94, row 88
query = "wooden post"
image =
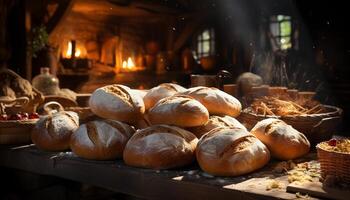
column 28, row 35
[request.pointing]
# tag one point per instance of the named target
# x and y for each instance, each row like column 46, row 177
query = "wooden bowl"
column 16, row 132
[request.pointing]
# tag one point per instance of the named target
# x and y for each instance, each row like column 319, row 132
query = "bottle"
column 46, row 83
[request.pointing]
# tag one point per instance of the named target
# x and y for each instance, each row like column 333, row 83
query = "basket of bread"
column 18, row 103
column 334, row 157
column 298, row 109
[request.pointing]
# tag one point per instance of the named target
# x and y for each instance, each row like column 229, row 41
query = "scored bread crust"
column 179, row 110
column 214, row 122
column 160, row 147
column 101, row 140
column 117, row 102
column 52, row 132
column 231, row 152
column 283, row 141
column 216, row 101
column 161, row 91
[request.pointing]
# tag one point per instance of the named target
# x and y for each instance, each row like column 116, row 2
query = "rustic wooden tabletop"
column 184, row 183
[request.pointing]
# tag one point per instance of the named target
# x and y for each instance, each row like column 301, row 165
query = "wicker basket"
column 316, row 127
column 16, row 132
column 334, row 164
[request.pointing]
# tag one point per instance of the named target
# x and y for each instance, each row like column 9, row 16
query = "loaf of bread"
column 231, row 152
column 117, row 102
column 52, row 132
column 216, row 101
column 157, row 93
column 283, row 141
column 101, row 140
column 160, row 147
column 214, row 122
column 178, row 110
column 141, row 93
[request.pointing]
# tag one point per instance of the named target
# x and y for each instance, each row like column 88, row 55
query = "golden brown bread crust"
column 283, row 141
column 117, row 102
column 178, row 110
column 101, row 140
column 231, row 152
column 214, row 122
column 216, row 101
column 157, row 93
column 160, row 147
column 52, row 133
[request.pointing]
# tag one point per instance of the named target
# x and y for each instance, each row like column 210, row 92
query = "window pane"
column 274, row 27
column 286, row 28
column 199, row 49
column 206, row 46
column 206, row 35
column 285, row 43
column 282, row 17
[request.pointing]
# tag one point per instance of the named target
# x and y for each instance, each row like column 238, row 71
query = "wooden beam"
column 28, row 29
column 61, row 13
column 190, row 28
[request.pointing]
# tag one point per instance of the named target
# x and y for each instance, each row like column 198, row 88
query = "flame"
column 128, row 64
column 69, row 51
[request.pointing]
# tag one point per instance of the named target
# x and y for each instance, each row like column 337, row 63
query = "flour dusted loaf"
column 52, row 132
column 283, row 141
column 160, row 147
column 231, row 152
column 157, row 93
column 117, row 102
column 101, row 139
column 178, row 110
column 214, row 122
column 216, row 101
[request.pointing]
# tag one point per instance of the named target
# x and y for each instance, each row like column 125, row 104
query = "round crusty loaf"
column 216, row 101
column 157, row 93
column 178, row 110
column 101, row 140
column 214, row 122
column 283, row 141
column 52, row 132
column 231, row 152
column 160, row 147
column 117, row 102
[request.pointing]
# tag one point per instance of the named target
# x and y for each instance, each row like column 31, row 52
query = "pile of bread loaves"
column 175, row 126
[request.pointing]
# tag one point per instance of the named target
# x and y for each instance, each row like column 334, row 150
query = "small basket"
column 334, row 163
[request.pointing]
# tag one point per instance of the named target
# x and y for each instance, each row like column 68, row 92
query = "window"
column 281, row 30
column 205, row 43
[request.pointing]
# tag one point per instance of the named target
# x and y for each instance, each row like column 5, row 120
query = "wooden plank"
column 318, row 190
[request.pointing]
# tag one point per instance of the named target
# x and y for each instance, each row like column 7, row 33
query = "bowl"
column 16, row 131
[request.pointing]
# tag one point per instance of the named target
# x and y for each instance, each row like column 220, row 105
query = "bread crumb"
column 304, row 172
column 273, row 184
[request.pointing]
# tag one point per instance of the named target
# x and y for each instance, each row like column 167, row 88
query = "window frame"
column 278, row 37
column 198, row 46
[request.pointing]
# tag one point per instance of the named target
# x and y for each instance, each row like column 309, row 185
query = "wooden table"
column 185, row 183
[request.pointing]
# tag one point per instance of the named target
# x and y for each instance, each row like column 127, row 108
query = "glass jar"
column 46, row 83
